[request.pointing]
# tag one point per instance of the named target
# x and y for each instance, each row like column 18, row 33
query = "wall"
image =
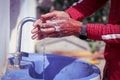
column 20, row 9
column 4, row 33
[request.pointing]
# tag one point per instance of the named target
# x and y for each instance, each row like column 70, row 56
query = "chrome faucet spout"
column 20, row 26
column 19, row 38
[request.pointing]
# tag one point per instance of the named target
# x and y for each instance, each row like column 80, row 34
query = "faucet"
column 18, row 53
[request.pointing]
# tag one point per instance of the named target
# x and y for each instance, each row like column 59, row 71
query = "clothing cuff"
column 94, row 31
column 74, row 13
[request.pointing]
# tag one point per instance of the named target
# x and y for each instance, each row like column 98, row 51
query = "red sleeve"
column 84, row 8
column 108, row 33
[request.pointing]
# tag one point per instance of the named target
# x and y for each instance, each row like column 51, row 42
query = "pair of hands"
column 55, row 24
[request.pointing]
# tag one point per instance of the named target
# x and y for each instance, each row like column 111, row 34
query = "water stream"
column 44, row 54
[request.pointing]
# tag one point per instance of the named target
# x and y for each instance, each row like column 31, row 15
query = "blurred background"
column 89, row 50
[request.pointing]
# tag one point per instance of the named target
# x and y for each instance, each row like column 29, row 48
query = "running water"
column 57, row 28
column 44, row 55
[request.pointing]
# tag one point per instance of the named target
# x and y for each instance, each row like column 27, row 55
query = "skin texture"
column 55, row 24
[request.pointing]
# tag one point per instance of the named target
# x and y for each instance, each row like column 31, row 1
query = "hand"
column 56, row 28
column 54, row 15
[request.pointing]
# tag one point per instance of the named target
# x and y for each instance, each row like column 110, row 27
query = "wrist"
column 67, row 14
column 83, row 33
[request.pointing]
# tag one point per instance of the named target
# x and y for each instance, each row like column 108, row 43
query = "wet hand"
column 56, row 28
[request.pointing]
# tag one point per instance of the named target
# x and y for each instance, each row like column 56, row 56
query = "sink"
column 56, row 67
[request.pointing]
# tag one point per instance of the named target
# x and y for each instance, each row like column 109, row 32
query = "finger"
column 40, row 37
column 55, row 35
column 47, row 31
column 46, row 25
column 54, row 23
column 35, row 30
column 37, row 23
column 35, row 36
column 48, row 16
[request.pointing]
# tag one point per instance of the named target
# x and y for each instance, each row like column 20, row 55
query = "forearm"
column 108, row 33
